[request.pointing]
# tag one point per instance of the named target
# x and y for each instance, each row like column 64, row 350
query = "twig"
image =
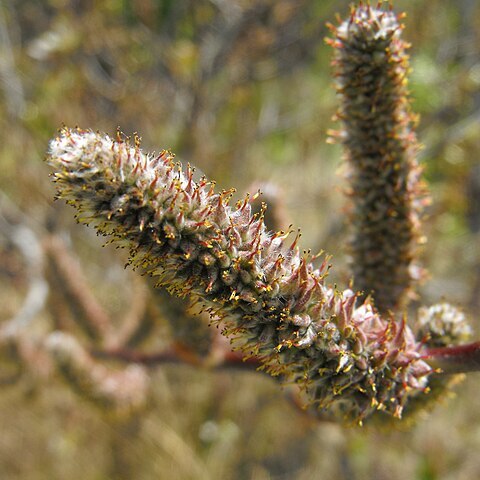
column 94, row 319
column 231, row 360
column 455, row 359
column 449, row 360
column 29, row 246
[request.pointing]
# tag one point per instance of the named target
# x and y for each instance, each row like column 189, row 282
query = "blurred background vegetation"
column 242, row 89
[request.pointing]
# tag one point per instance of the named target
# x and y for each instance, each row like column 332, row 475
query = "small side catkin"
column 370, row 70
column 271, row 300
column 438, row 326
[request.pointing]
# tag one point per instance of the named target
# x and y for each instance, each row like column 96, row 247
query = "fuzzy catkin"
column 370, row 69
column 438, row 326
column 272, row 301
column 443, row 325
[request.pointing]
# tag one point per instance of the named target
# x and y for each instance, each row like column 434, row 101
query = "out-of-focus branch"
column 11, row 84
column 131, row 321
column 27, row 243
column 228, row 360
column 117, row 392
column 92, row 316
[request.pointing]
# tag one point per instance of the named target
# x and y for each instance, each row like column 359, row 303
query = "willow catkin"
column 272, row 301
column 370, row 69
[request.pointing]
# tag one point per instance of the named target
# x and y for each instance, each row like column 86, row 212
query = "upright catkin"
column 370, row 70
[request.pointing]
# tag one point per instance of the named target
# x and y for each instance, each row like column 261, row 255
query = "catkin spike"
column 271, row 300
column 370, row 68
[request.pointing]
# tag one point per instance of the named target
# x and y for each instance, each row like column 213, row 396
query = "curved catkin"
column 271, row 300
column 370, row 69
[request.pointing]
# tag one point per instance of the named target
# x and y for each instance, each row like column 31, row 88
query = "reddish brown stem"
column 449, row 360
column 455, row 359
column 231, row 360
